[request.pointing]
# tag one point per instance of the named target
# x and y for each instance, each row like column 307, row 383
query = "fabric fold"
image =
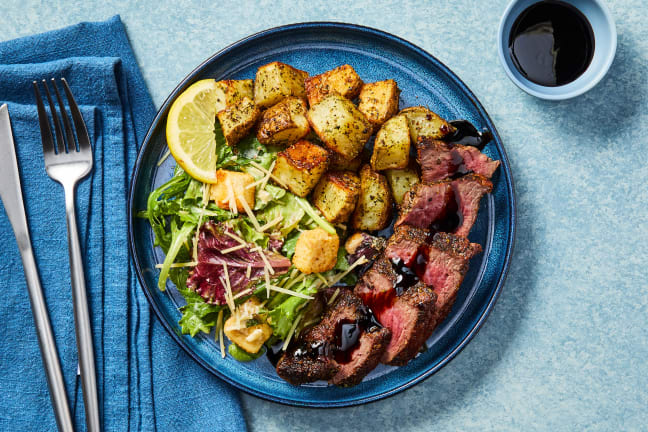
column 146, row 382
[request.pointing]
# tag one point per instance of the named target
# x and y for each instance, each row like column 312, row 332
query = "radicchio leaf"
column 206, row 278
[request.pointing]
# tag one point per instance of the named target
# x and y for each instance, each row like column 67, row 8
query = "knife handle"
column 45, row 335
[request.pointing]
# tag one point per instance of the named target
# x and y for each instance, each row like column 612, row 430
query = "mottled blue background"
column 566, row 347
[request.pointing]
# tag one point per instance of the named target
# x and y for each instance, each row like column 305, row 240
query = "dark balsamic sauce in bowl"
column 551, row 43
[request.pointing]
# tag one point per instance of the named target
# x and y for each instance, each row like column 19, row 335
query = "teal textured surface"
column 565, row 347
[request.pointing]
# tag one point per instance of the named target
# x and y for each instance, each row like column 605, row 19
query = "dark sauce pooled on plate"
column 551, row 43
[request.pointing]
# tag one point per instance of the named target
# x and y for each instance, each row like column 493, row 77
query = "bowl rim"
column 524, row 83
column 510, row 235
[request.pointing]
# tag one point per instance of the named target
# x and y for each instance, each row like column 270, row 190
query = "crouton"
column 316, row 251
column 233, row 184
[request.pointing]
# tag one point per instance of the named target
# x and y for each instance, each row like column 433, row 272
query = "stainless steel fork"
column 67, row 164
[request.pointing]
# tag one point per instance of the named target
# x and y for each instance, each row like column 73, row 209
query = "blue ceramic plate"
column 317, row 47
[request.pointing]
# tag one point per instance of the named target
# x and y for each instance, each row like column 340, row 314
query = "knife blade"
column 12, row 199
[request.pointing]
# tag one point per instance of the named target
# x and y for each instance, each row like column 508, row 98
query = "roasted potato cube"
column 276, row 81
column 424, row 123
column 231, row 91
column 238, row 119
column 284, row 123
column 342, row 80
column 238, row 330
column 336, row 195
column 300, row 166
column 374, row 207
column 339, row 124
column 232, row 184
column 392, row 145
column 339, row 163
column 401, row 181
column 238, row 89
column 379, row 101
column 316, row 251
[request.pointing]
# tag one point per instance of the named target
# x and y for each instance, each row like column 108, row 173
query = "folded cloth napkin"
column 145, row 381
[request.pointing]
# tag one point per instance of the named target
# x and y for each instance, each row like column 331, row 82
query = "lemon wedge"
column 190, row 129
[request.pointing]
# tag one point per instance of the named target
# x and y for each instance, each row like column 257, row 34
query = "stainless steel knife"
column 11, row 195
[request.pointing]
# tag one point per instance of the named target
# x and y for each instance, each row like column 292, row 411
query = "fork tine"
column 79, row 124
column 69, row 134
column 43, row 121
column 60, row 142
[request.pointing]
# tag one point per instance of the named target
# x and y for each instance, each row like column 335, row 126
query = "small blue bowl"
column 605, row 42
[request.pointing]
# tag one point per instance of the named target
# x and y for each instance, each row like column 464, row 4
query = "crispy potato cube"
column 238, row 119
column 276, row 81
column 339, row 124
column 238, row 89
column 238, row 181
column 236, row 327
column 336, row 195
column 300, row 166
column 339, row 163
column 374, row 207
column 401, row 181
column 342, row 80
column 231, row 91
column 379, row 101
column 424, row 123
column 284, row 123
column 316, row 251
column 392, row 145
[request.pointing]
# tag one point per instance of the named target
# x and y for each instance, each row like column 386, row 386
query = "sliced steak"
column 468, row 191
column 476, row 161
column 440, row 160
column 411, row 321
column 424, row 204
column 405, row 244
column 364, row 358
column 436, row 160
column 446, row 265
column 342, row 348
column 407, row 310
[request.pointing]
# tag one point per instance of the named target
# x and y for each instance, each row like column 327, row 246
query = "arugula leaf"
column 251, row 235
column 283, row 316
column 197, row 315
column 288, row 248
column 178, row 237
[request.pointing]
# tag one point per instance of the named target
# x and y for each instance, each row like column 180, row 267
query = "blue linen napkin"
column 146, row 382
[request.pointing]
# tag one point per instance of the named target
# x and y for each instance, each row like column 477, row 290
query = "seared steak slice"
column 476, row 161
column 411, row 321
column 469, row 191
column 405, row 244
column 307, row 362
column 424, row 204
column 346, row 330
column 408, row 313
column 364, row 358
column 436, row 160
column 440, row 160
column 447, row 263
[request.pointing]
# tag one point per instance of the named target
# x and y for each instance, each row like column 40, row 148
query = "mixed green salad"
column 266, row 304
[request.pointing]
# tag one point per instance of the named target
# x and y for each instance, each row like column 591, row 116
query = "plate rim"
column 510, row 188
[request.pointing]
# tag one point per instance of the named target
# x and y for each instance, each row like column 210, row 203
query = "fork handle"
column 82, row 316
